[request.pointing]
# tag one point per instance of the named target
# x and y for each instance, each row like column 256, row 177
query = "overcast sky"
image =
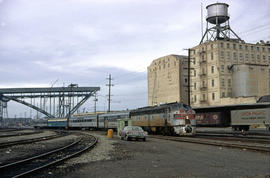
column 83, row 41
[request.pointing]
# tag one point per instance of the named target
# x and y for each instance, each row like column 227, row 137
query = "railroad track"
column 9, row 130
column 27, row 141
column 242, row 138
column 33, row 165
column 260, row 148
column 19, row 134
column 234, row 133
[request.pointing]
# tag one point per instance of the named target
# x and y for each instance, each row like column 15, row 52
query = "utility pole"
column 95, row 100
column 110, row 85
column 189, row 77
column 188, row 74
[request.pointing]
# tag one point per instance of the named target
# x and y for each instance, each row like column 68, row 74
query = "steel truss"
column 63, row 99
column 219, row 32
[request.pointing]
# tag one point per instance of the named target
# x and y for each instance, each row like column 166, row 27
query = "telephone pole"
column 110, row 85
column 95, row 100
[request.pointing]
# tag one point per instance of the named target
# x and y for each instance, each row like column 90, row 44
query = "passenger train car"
column 169, row 119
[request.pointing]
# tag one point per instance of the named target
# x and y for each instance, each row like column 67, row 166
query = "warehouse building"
column 229, row 72
column 167, row 80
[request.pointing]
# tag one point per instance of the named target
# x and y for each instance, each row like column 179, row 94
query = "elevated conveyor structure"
column 53, row 102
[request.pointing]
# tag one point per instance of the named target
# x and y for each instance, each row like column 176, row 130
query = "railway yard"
column 211, row 153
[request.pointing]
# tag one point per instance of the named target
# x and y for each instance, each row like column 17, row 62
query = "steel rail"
column 235, row 138
column 32, row 171
column 20, row 134
column 231, row 145
column 20, row 142
column 38, row 156
column 234, row 133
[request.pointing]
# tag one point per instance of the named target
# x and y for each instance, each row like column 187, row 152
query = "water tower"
column 218, row 26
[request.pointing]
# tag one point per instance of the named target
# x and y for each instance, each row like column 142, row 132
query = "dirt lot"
column 158, row 158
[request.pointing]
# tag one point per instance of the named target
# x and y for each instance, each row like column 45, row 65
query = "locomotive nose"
column 188, row 129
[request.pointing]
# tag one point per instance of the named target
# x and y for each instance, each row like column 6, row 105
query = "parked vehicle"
column 133, row 132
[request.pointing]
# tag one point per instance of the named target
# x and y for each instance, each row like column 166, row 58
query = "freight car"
column 230, row 115
column 167, row 119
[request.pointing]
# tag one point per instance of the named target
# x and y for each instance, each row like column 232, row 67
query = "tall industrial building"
column 167, row 80
column 225, row 69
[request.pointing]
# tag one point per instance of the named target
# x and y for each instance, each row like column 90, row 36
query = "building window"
column 222, row 82
column 246, row 47
column 246, row 57
column 195, row 86
column 222, row 54
column 213, row 96
column 174, row 63
column 222, row 45
column 195, row 98
column 228, row 56
column 258, row 58
column 212, row 56
column 203, row 96
column 268, row 50
column 194, row 73
column 168, row 65
column 213, row 83
column 159, row 67
column 194, row 61
column 264, row 59
column 235, row 56
column 185, row 80
column 203, row 83
column 241, row 57
column 234, row 46
column 269, row 59
column 240, row 47
column 228, row 45
column 258, row 49
column 229, row 83
column 222, row 68
column 251, row 48
column 223, row 94
column 252, row 58
column 203, row 57
column 163, row 66
column 212, row 69
column 212, row 46
column 263, row 49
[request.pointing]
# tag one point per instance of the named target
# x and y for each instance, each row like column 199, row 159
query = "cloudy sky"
column 83, row 41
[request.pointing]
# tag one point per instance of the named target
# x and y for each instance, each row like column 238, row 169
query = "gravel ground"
column 161, row 158
column 19, row 152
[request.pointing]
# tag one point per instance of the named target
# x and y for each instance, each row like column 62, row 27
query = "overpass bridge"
column 53, row 102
